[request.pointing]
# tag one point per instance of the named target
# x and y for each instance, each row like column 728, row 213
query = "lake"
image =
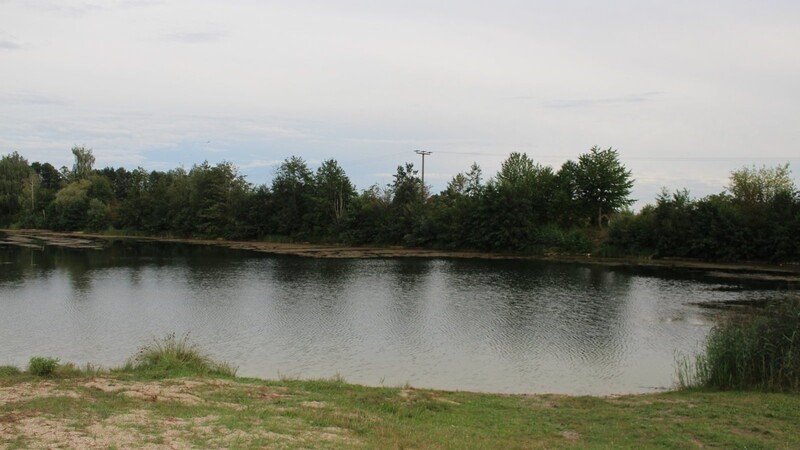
column 456, row 324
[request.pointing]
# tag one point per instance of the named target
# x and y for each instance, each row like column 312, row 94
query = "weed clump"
column 42, row 366
column 758, row 352
column 173, row 356
column 9, row 371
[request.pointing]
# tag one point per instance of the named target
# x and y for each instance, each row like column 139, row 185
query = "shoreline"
column 746, row 271
column 95, row 408
column 140, row 410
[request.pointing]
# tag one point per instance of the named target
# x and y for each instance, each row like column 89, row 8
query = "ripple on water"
column 502, row 326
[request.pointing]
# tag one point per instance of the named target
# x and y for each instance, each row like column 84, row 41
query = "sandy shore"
column 102, row 411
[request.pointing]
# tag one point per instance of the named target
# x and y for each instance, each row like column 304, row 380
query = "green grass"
column 212, row 412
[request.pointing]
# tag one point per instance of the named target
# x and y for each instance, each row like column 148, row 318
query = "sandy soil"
column 139, row 426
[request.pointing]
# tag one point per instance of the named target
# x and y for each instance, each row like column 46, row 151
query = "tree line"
column 756, row 218
column 526, row 207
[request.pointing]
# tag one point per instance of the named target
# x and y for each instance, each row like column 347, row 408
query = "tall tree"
column 369, row 218
column 407, row 203
column 179, row 209
column 761, row 196
column 31, row 188
column 603, row 183
column 569, row 209
column 84, row 163
column 291, row 188
column 70, row 206
column 454, row 210
column 516, row 202
column 50, row 176
column 217, row 196
column 332, row 193
column 750, row 185
column 14, row 171
column 42, row 191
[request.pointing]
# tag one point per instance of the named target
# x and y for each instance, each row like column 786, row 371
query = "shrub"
column 172, row 356
column 42, row 366
column 758, row 352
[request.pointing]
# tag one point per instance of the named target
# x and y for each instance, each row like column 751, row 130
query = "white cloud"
column 194, row 37
column 599, row 102
column 9, row 45
column 18, row 98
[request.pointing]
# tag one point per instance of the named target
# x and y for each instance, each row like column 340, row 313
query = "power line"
column 423, row 153
column 374, row 158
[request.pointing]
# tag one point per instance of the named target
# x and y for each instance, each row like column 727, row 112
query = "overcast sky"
column 685, row 90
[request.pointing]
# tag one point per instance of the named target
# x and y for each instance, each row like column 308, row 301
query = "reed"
column 172, row 356
column 761, row 351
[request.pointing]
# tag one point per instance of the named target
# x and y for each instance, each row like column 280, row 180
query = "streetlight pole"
column 423, row 153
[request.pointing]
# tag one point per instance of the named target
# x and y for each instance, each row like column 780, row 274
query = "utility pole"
column 423, row 153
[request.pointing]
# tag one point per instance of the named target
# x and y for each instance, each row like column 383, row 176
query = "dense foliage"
column 526, row 207
column 757, row 218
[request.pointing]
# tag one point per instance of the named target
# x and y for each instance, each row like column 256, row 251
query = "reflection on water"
column 498, row 326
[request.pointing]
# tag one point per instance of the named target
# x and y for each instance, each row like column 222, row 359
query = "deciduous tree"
column 603, row 183
column 291, row 190
column 751, row 185
column 84, row 163
column 14, row 171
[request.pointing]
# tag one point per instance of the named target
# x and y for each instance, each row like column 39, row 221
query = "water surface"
column 494, row 326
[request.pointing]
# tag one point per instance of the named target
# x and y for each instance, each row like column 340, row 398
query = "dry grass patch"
column 40, row 432
column 173, row 390
column 26, row 391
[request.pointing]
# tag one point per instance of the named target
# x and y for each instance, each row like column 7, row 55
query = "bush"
column 758, row 352
column 42, row 366
column 172, row 356
column 552, row 239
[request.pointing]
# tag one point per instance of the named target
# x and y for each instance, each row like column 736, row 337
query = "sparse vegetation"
column 130, row 409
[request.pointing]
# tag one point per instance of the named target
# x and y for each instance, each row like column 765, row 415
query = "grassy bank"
column 150, row 406
column 128, row 410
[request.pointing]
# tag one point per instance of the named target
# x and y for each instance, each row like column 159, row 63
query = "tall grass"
column 172, row 356
column 761, row 351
